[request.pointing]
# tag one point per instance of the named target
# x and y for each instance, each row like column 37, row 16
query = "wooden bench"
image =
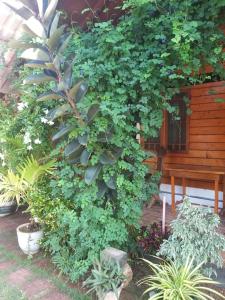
column 215, row 176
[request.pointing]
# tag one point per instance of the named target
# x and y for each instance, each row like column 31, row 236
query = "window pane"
column 177, row 125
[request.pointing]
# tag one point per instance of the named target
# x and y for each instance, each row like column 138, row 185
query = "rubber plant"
column 45, row 52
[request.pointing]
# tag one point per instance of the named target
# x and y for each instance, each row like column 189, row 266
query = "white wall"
column 196, row 195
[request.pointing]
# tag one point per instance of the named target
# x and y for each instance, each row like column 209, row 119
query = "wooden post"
column 164, row 215
column 223, row 191
column 216, row 206
column 173, row 194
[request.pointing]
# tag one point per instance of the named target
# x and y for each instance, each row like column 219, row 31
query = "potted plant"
column 106, row 280
column 7, row 207
column 17, row 186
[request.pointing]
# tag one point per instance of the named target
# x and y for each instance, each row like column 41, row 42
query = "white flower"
column 46, row 111
column 3, row 163
column 26, row 138
column 37, row 141
column 29, row 147
column 44, row 120
column 22, row 105
column 2, row 156
column 51, row 123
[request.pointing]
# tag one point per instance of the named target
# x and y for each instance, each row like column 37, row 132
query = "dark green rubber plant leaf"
column 64, row 42
column 42, row 5
column 92, row 112
column 104, row 137
column 107, row 158
column 85, row 156
column 38, row 78
column 40, row 64
column 72, row 147
column 102, row 189
column 54, row 40
column 111, row 183
column 64, row 130
column 59, row 111
column 35, row 54
column 50, row 11
column 83, row 139
column 75, row 156
column 50, row 96
column 54, row 24
column 92, row 173
column 68, row 76
column 78, row 91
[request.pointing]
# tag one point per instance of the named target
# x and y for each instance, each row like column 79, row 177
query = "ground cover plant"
column 195, row 234
column 95, row 86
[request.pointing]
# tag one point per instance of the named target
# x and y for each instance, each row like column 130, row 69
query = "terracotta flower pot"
column 29, row 242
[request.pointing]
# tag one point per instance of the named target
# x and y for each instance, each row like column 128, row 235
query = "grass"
column 37, row 272
column 8, row 292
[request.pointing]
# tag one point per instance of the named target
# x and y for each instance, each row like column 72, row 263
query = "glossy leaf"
column 92, row 173
column 54, row 24
column 42, row 7
column 64, row 130
column 35, row 64
column 111, row 183
column 58, row 112
column 68, row 76
column 23, row 12
column 38, row 78
column 75, row 157
column 35, row 54
column 72, row 148
column 102, row 189
column 92, row 112
column 65, row 42
column 105, row 137
column 85, row 156
column 49, row 13
column 54, row 40
column 107, row 158
column 83, row 139
column 36, row 27
column 78, row 91
column 50, row 96
column 50, row 73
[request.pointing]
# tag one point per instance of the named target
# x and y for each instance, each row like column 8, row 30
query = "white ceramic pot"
column 7, row 208
column 29, row 242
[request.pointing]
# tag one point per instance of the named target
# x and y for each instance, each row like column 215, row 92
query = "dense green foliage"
column 195, row 234
column 133, row 70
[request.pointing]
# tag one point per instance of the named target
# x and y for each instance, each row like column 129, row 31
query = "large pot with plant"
column 18, row 185
column 106, row 280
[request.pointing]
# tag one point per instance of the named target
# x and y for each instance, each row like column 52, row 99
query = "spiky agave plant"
column 44, row 52
column 169, row 282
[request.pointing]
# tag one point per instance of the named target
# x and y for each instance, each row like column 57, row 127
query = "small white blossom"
column 29, row 147
column 21, row 106
column 51, row 123
column 44, row 120
column 26, row 138
column 37, row 141
column 46, row 111
column 3, row 163
column 2, row 156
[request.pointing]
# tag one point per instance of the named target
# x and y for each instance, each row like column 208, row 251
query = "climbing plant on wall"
column 103, row 82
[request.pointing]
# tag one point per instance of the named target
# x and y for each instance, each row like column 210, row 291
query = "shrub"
column 150, row 238
column 170, row 282
column 194, row 234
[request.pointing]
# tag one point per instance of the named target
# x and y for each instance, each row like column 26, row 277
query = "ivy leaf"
column 64, row 130
column 58, row 112
column 38, row 78
column 85, row 156
column 92, row 112
column 35, row 54
column 92, row 173
column 72, row 147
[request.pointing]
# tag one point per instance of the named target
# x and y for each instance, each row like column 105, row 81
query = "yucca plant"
column 15, row 185
column 170, row 282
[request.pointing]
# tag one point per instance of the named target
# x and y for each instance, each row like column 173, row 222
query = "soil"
column 31, row 227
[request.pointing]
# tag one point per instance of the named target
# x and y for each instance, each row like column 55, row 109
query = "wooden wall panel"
column 206, row 135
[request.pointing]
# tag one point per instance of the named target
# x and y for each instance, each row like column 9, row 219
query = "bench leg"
column 173, row 194
column 216, row 206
